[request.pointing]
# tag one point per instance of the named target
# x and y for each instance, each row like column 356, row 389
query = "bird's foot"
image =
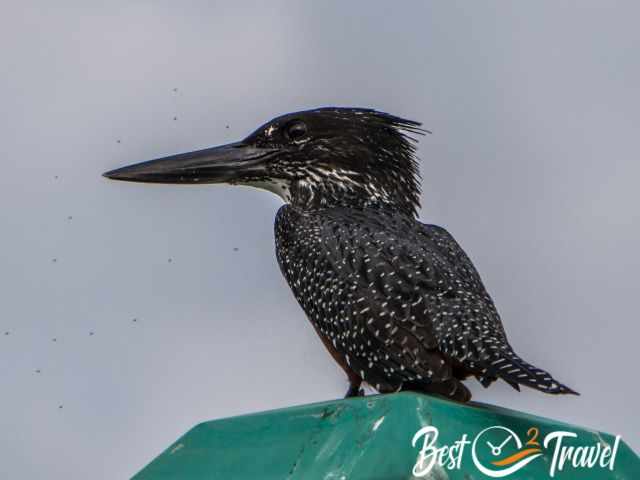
column 354, row 391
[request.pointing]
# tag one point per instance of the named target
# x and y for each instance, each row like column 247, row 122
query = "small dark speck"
column 70, row 217
column 118, row 141
column 134, row 320
column 235, row 249
column 54, row 339
column 60, row 407
column 175, row 118
column 90, row 334
column 54, row 260
column 7, row 333
column 38, row 371
column 226, row 126
column 175, row 89
column 56, row 177
column 170, row 260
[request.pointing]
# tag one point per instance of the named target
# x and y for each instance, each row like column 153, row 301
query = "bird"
column 396, row 302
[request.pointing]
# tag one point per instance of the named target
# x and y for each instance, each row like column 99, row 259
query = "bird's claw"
column 354, row 391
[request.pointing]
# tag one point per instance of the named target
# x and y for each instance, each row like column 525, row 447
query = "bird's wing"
column 342, row 269
column 393, row 283
column 416, row 306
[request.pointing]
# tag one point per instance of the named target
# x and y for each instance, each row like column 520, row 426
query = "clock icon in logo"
column 498, row 451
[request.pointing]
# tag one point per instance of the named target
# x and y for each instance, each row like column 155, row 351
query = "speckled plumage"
column 400, row 301
column 396, row 302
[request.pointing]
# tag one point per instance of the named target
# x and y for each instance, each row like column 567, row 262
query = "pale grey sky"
column 533, row 166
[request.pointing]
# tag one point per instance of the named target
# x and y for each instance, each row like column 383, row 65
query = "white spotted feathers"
column 399, row 300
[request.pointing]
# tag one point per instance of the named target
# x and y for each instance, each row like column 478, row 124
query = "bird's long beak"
column 212, row 165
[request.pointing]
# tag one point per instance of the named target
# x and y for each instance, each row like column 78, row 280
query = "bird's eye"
column 296, row 130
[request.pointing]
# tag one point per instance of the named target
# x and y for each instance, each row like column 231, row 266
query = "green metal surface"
column 371, row 438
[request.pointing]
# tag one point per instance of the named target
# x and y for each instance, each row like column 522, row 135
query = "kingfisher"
column 396, row 302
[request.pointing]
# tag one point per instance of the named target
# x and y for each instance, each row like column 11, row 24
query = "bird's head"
column 313, row 159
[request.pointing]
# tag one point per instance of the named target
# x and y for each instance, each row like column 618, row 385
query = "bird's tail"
column 515, row 371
